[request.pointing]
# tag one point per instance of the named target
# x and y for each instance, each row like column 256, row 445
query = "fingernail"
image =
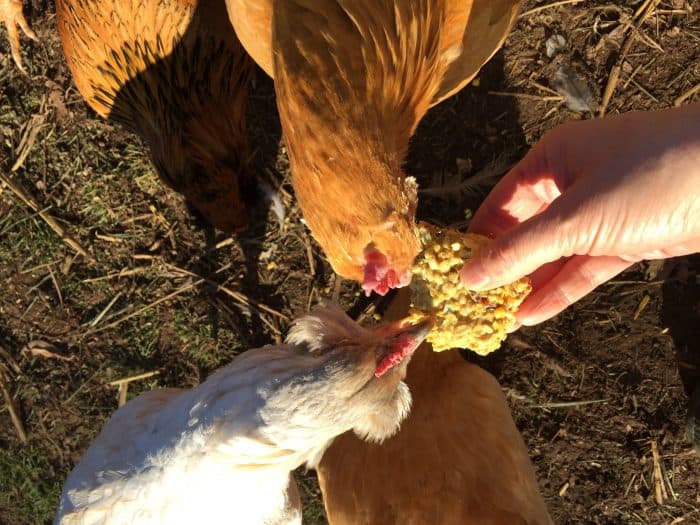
column 527, row 320
column 474, row 277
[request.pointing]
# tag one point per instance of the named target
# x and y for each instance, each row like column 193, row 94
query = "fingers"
column 520, row 251
column 523, row 214
column 526, row 190
column 576, row 277
column 539, row 279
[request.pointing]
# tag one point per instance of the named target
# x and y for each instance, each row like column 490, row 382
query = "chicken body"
column 173, row 72
column 222, row 452
column 458, row 459
column 353, row 80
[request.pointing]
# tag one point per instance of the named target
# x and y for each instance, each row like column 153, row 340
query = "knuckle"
column 587, row 278
column 499, row 260
column 561, row 298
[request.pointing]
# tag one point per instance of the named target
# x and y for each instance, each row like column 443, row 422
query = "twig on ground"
column 80, row 388
column 632, row 30
column 104, row 311
column 660, row 494
column 667, row 479
column 564, row 488
column 10, row 360
column 39, row 267
column 123, row 385
column 122, row 392
column 686, row 95
column 118, row 275
column 119, row 321
column 20, row 192
column 310, row 254
column 569, row 404
column 366, row 313
column 238, row 296
column 547, row 6
column 527, row 96
column 12, row 407
column 56, row 287
column 629, row 485
column 640, row 308
column 31, row 132
column 131, row 379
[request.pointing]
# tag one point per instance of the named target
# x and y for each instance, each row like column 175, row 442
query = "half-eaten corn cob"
column 463, row 318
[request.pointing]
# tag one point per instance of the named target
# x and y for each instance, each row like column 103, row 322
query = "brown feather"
column 173, row 72
column 488, row 24
column 457, row 459
column 252, row 20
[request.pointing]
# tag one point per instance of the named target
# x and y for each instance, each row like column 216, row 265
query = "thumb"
column 519, row 251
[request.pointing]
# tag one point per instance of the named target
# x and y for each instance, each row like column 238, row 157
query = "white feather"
column 222, row 452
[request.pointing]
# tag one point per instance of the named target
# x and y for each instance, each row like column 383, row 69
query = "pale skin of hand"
column 589, row 200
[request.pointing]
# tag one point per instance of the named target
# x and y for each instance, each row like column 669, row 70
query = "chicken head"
column 364, row 370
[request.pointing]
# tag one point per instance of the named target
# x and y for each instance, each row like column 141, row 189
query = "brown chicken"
column 173, row 72
column 457, row 459
column 353, row 80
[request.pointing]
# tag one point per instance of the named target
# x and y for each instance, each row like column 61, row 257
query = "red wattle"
column 402, row 349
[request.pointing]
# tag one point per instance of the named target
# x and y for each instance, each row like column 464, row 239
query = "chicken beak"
column 417, row 331
column 404, row 338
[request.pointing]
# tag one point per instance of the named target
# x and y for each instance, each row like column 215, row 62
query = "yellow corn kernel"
column 464, row 319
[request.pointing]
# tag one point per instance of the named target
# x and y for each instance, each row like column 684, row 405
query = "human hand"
column 590, row 199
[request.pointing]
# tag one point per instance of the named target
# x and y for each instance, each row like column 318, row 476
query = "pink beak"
column 379, row 276
column 407, row 338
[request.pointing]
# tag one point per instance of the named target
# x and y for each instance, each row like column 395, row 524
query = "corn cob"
column 464, row 318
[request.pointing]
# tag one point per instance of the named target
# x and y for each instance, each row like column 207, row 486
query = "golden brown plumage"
column 252, row 20
column 173, row 72
column 353, row 80
column 457, row 459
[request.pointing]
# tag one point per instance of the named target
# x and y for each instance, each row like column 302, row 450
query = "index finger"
column 526, row 190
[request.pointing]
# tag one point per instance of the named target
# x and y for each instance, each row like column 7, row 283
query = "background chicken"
column 222, row 452
column 173, row 72
column 458, row 459
column 353, row 80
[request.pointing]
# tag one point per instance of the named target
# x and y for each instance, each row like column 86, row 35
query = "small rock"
column 674, row 31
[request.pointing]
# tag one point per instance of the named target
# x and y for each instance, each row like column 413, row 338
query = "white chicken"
column 223, row 452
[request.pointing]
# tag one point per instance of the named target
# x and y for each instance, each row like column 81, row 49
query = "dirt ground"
column 593, row 391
